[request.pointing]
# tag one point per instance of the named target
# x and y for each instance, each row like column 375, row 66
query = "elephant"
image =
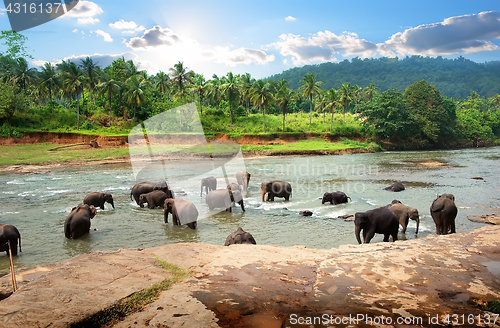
column 380, row 220
column 9, row 233
column 232, row 187
column 98, row 199
column 397, row 186
column 394, row 201
column 276, row 189
column 145, row 187
column 335, row 197
column 221, row 198
column 404, row 213
column 240, row 237
column 243, row 178
column 210, row 183
column 155, row 198
column 183, row 212
column 443, row 212
column 77, row 223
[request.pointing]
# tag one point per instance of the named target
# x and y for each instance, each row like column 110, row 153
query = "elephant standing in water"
column 243, row 178
column 9, row 233
column 221, row 198
column 380, row 220
column 183, row 212
column 276, row 189
column 443, row 212
column 145, row 187
column 98, row 199
column 77, row 223
column 240, row 237
column 210, row 183
column 397, row 186
column 335, row 198
column 404, row 213
column 155, row 198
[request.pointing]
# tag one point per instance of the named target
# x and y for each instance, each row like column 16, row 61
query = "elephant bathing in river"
column 155, row 198
column 210, row 183
column 276, row 189
column 221, row 198
column 183, row 212
column 145, row 187
column 77, row 223
column 443, row 212
column 240, row 237
column 9, row 233
column 335, row 197
column 380, row 220
column 397, row 186
column 243, row 178
column 404, row 213
column 98, row 199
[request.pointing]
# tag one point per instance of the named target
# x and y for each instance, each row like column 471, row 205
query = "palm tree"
column 310, row 87
column 332, row 101
column 22, row 74
column 49, row 80
column 261, row 95
column 200, row 88
column 136, row 87
column 245, row 84
column 321, row 103
column 285, row 96
column 496, row 100
column 230, row 87
column 370, row 90
column 213, row 87
column 180, row 78
column 109, row 87
column 346, row 95
column 162, row 82
column 72, row 81
column 90, row 69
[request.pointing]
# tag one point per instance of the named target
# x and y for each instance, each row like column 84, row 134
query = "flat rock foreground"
column 431, row 281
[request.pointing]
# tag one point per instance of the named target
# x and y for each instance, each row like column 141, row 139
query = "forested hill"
column 453, row 77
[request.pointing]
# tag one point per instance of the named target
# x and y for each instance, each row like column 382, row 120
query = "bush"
column 87, row 125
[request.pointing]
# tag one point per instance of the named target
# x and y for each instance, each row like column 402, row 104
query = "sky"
column 263, row 37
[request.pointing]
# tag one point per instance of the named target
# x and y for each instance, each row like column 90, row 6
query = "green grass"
column 138, row 301
column 40, row 154
column 311, row 144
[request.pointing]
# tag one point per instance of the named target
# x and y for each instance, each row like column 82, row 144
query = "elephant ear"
column 93, row 211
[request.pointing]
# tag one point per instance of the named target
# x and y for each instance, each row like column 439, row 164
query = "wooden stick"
column 12, row 273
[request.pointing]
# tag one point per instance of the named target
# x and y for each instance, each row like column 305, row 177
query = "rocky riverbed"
column 419, row 282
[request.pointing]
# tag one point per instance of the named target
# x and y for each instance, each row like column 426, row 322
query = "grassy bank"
column 313, row 144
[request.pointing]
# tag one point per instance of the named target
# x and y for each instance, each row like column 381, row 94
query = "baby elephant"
column 404, row 213
column 380, row 220
column 183, row 212
column 155, row 198
column 9, row 233
column 335, row 198
column 98, row 199
column 77, row 223
column 240, row 237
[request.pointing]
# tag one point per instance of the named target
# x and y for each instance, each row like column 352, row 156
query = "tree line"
column 84, row 95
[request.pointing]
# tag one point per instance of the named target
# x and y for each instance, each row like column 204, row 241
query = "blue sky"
column 264, row 37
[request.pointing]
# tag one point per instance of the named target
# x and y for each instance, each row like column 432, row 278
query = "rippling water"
column 38, row 204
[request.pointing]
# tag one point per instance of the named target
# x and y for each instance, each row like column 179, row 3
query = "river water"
column 37, row 204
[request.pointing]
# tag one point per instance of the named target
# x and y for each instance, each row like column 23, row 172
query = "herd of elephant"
column 383, row 220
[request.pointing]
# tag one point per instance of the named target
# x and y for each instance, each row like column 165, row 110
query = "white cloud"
column 240, row 56
column 157, row 37
column 290, row 19
column 102, row 60
column 75, row 30
column 87, row 20
column 105, row 35
column 84, row 9
column 323, row 46
column 459, row 34
column 123, row 25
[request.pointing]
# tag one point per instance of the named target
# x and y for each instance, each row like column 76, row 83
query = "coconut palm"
column 261, row 95
column 332, row 101
column 22, row 74
column 72, row 81
column 181, row 78
column 136, row 87
column 213, row 90
column 49, row 80
column 321, row 103
column 90, row 69
column 310, row 88
column 200, row 88
column 230, row 87
column 245, row 84
column 370, row 90
column 162, row 82
column 284, row 97
column 108, row 87
column 346, row 96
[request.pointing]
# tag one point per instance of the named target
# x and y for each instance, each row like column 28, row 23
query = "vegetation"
column 84, row 97
column 136, row 302
column 313, row 144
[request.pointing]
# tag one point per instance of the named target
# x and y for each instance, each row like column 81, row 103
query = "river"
column 37, row 204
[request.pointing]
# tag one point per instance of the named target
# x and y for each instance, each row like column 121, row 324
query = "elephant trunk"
column 357, row 231
column 242, row 205
column 165, row 216
column 418, row 223
column 263, row 194
column 113, row 204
